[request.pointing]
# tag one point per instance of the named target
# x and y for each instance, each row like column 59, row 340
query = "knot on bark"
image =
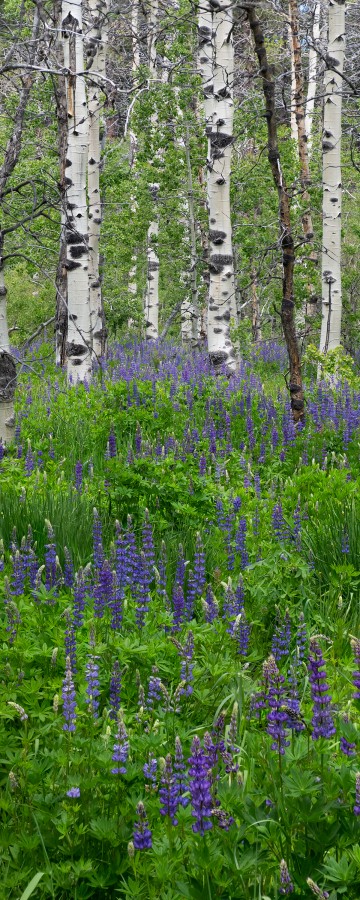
column 7, row 376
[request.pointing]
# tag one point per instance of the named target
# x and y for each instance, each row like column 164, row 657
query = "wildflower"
column 211, row 609
column 282, row 636
column 322, row 721
column 69, row 698
column 301, row 638
column 142, row 838
column 115, row 689
column 355, row 644
column 277, row 717
column 242, row 633
column 169, row 791
column 286, row 885
column 357, row 795
column 68, row 569
column 78, row 476
column 92, row 685
column 150, row 770
column 19, row 709
column 73, row 792
column 199, row 566
column 199, row 786
column 120, row 748
column 323, row 895
column 79, row 598
column 154, row 689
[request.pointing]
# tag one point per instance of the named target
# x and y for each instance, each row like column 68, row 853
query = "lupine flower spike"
column 142, row 837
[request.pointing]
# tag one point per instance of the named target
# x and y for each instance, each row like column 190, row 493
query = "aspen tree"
column 78, row 347
column 152, row 282
column 332, row 188
column 216, row 61
column 96, row 59
column 312, row 77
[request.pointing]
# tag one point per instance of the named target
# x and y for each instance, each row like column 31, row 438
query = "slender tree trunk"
column 331, row 243
column 152, row 282
column 78, row 347
column 132, row 287
column 96, row 59
column 193, row 251
column 216, row 62
column 298, row 99
column 255, row 307
column 311, row 92
column 11, row 157
column 293, row 125
column 286, row 237
column 61, row 273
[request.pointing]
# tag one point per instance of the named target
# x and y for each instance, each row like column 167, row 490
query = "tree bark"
column 286, row 237
column 96, row 59
column 331, row 243
column 298, row 99
column 78, row 346
column 311, row 92
column 216, row 62
column 11, row 157
column 152, row 281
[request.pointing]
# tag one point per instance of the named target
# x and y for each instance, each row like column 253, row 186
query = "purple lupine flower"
column 142, row 590
column 280, row 527
column 112, row 443
column 115, row 690
column 103, row 589
column 200, row 788
column 120, row 560
column 69, row 699
column 355, row 644
column 345, row 544
column 347, row 747
column 12, row 615
column 154, row 688
column 116, row 603
column 17, row 582
column 121, row 748
column 131, row 553
column 178, row 602
column 148, row 546
column 78, row 476
column 276, row 717
column 211, row 609
column 199, row 566
column 142, row 837
column 322, row 720
column 169, row 791
column 29, row 461
column 73, row 792
column 297, row 525
column 240, row 542
column 50, row 559
column 323, row 895
column 79, row 599
column 150, row 770
column 286, row 885
column 92, row 685
column 301, row 638
column 180, row 567
column 241, row 632
column 202, row 464
column 68, row 569
column 357, row 795
column 282, row 636
column 70, row 641
column 162, row 568
column 180, row 774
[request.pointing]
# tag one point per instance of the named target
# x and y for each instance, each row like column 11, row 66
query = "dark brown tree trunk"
column 286, row 237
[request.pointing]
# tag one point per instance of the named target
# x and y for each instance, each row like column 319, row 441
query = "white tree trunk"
column 311, row 92
column 293, row 125
column 78, row 348
column 193, row 257
column 132, row 287
column 96, row 58
column 331, row 243
column 7, row 371
column 152, row 282
column 217, row 57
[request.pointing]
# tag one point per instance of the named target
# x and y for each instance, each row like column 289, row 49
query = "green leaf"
column 31, row 886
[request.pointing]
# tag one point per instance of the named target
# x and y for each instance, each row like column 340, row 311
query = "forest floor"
column 180, row 648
